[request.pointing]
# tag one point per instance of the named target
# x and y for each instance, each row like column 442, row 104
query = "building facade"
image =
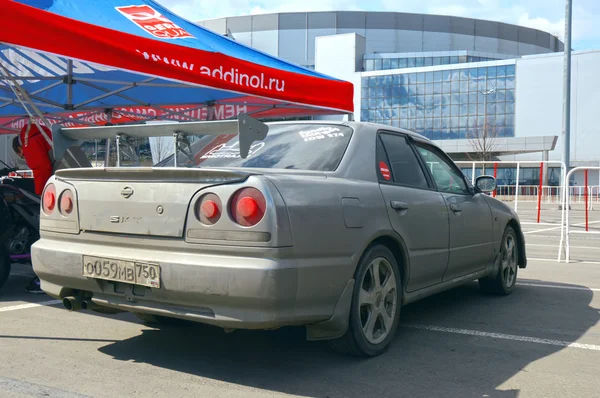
column 291, row 36
column 454, row 80
column 457, row 81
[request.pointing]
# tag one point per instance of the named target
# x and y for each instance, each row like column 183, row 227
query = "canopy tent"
column 113, row 61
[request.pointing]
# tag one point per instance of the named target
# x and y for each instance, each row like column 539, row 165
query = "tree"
column 484, row 141
column 161, row 148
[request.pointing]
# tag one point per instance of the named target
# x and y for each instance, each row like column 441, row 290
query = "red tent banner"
column 160, row 60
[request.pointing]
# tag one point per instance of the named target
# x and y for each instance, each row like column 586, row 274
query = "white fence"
column 589, row 197
column 514, row 192
column 550, row 194
column 542, row 194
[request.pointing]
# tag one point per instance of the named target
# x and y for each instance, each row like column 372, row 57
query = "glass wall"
column 448, row 104
column 415, row 62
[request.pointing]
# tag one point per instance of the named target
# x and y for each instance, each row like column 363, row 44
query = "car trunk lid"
column 140, row 201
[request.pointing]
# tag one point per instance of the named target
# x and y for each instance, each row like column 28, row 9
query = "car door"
column 471, row 225
column 417, row 212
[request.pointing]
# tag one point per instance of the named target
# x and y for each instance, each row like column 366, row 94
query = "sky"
column 546, row 15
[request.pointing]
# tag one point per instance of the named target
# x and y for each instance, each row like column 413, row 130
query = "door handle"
column 397, row 205
column 455, row 208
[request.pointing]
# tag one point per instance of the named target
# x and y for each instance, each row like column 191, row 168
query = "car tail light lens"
column 209, row 209
column 248, row 206
column 49, row 199
column 66, row 203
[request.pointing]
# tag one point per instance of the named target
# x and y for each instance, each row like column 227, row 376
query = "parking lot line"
column 539, row 223
column 572, row 247
column 30, row 305
column 581, row 224
column 527, row 339
column 541, row 230
column 558, row 286
column 572, row 261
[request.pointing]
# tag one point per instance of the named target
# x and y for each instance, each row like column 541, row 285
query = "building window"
column 458, row 103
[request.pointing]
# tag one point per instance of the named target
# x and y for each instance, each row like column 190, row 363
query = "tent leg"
column 175, row 141
column 69, row 82
column 23, row 97
column 107, row 153
column 117, row 140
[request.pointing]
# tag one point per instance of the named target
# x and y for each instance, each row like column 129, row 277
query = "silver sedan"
column 329, row 225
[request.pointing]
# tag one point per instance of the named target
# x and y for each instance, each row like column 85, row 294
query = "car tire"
column 504, row 282
column 4, row 267
column 375, row 309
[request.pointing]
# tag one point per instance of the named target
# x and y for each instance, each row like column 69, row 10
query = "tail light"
column 209, row 209
column 65, row 205
column 248, row 206
column 49, row 199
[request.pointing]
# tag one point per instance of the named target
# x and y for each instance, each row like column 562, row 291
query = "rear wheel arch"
column 398, row 248
column 519, row 232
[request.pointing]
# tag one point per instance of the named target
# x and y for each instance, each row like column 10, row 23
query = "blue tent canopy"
column 92, row 62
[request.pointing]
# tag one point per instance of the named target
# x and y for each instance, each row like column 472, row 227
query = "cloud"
column 331, row 5
column 555, row 28
column 202, row 9
column 451, row 9
column 546, row 15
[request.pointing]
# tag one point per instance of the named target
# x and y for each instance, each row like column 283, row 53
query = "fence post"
column 539, row 206
column 517, row 188
column 495, row 174
column 585, row 178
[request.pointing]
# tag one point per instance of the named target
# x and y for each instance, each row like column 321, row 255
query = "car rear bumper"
column 263, row 289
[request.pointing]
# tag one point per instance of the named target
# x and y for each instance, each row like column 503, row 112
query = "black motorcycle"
column 19, row 220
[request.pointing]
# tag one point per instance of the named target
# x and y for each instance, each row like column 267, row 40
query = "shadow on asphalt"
column 419, row 363
column 14, row 288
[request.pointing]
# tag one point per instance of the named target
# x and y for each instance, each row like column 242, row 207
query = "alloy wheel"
column 378, row 299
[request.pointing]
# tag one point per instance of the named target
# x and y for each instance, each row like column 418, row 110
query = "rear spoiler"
column 66, row 140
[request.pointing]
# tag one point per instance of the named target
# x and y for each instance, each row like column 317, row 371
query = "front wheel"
column 505, row 280
column 376, row 302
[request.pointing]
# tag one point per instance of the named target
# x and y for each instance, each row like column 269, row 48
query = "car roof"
column 363, row 126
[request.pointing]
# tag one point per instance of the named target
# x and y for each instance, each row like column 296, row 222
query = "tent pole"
column 69, row 81
column 107, row 153
column 117, row 140
column 21, row 92
column 109, row 113
column 175, row 149
column 210, row 110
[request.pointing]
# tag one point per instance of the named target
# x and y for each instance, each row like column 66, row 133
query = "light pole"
column 567, row 90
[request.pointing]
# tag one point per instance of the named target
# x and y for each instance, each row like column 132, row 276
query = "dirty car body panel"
column 147, row 240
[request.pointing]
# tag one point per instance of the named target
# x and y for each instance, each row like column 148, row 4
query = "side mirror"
column 485, row 184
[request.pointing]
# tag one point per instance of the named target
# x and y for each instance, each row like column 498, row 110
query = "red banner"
column 181, row 113
column 53, row 33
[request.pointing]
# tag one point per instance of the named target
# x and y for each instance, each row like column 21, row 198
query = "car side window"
column 403, row 167
column 446, row 177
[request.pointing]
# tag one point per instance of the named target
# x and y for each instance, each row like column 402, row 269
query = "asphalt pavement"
column 542, row 341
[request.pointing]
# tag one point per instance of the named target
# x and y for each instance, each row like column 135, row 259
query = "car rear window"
column 318, row 147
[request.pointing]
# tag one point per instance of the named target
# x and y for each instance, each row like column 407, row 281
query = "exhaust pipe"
column 72, row 303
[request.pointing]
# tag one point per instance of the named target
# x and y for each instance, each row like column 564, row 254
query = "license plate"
column 132, row 272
